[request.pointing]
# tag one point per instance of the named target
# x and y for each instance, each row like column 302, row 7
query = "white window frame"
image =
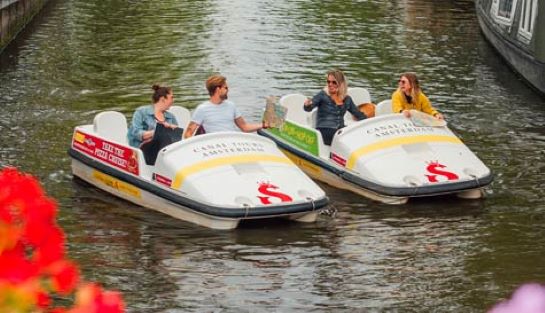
column 494, row 12
column 527, row 7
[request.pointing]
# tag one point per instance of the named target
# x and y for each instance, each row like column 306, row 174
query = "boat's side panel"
column 146, row 199
column 119, row 156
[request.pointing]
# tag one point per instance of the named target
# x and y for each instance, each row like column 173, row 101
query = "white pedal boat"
column 213, row 180
column 385, row 158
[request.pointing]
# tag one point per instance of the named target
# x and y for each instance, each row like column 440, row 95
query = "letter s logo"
column 264, row 189
column 433, row 168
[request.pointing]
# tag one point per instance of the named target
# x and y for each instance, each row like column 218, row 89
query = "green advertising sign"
column 300, row 137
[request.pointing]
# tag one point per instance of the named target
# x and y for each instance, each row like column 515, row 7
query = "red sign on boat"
column 119, row 156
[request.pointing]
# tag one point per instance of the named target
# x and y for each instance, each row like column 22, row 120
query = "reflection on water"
column 80, row 57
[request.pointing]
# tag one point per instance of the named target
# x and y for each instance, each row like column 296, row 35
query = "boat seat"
column 183, row 116
column 384, row 107
column 294, row 104
column 313, row 117
column 359, row 96
column 111, row 125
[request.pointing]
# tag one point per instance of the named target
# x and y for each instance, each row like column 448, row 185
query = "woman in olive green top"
column 409, row 96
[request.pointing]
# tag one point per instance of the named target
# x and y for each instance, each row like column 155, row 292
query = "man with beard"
column 218, row 114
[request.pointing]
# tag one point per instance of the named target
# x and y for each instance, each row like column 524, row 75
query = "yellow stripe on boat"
column 182, row 174
column 397, row 142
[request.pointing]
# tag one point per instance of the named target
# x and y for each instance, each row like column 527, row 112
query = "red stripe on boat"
column 338, row 159
column 162, row 180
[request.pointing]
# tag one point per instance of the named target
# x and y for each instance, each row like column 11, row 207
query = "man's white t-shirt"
column 216, row 117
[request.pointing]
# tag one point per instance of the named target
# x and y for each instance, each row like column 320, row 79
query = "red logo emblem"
column 264, row 189
column 435, row 168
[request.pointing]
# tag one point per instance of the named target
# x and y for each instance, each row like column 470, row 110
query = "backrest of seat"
column 294, row 103
column 359, row 95
column 384, row 107
column 313, row 118
column 183, row 116
column 111, row 125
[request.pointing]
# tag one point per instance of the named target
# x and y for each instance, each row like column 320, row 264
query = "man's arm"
column 247, row 127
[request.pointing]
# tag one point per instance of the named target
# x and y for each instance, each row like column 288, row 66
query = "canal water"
column 80, row 57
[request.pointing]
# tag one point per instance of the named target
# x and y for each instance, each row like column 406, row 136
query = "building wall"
column 14, row 15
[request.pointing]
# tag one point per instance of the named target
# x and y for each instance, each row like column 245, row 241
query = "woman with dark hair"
column 409, row 96
column 146, row 118
column 332, row 102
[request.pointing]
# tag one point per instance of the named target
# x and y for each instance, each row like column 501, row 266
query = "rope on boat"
column 247, row 209
column 312, row 201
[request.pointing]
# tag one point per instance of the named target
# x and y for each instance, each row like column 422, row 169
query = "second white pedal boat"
column 385, row 158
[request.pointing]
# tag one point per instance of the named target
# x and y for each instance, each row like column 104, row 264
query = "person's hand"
column 170, row 125
column 439, row 116
column 307, row 102
column 406, row 113
column 147, row 136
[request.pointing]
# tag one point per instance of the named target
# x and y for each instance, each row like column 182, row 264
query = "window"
column 503, row 11
column 527, row 18
column 505, row 8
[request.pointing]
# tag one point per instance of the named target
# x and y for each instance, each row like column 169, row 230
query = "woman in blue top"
column 146, row 117
column 332, row 103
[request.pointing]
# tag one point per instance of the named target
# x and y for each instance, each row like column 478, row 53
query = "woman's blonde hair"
column 342, row 83
column 413, row 81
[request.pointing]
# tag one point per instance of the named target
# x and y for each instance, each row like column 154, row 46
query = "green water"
column 443, row 255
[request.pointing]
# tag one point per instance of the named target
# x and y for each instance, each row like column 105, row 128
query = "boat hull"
column 519, row 59
column 153, row 197
column 387, row 159
column 213, row 180
column 147, row 199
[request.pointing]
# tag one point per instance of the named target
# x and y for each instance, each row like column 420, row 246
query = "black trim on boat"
column 196, row 206
column 430, row 190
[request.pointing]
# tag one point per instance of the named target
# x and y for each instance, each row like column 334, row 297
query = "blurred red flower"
column 32, row 255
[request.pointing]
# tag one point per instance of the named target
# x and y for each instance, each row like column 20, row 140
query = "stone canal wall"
column 14, row 15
